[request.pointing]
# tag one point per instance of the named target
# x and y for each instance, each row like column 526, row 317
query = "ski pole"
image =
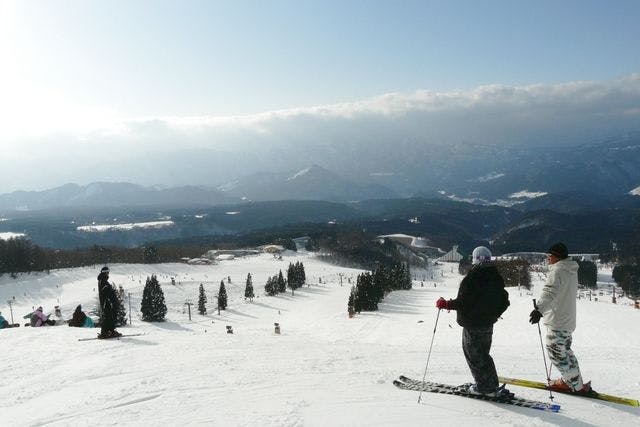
column 429, row 354
column 546, row 370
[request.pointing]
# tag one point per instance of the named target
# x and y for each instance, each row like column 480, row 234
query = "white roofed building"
column 452, row 256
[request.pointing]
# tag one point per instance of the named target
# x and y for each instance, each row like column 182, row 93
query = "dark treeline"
column 587, row 274
column 515, row 272
column 626, row 273
column 22, row 256
column 627, row 276
column 371, row 288
column 355, row 249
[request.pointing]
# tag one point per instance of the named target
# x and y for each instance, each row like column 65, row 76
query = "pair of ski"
column 591, row 394
column 410, row 384
column 111, row 338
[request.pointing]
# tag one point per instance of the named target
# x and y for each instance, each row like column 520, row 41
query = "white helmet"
column 480, row 255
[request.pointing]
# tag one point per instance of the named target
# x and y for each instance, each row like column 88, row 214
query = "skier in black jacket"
column 480, row 302
column 108, row 305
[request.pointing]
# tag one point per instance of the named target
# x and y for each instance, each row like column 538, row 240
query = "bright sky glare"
column 77, row 75
column 92, row 60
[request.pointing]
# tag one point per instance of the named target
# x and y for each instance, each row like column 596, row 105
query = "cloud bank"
column 540, row 114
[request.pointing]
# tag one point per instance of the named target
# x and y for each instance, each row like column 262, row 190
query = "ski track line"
column 68, row 417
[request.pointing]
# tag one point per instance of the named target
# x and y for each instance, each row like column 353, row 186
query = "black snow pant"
column 107, row 322
column 476, row 343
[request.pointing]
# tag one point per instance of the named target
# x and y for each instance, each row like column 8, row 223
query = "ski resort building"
column 452, row 256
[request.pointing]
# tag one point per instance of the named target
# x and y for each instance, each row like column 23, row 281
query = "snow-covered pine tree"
column 202, row 301
column 153, row 307
column 351, row 304
column 291, row 279
column 281, row 284
column 248, row 289
column 121, row 311
column 302, row 275
column 358, row 301
column 270, row 286
column 222, row 296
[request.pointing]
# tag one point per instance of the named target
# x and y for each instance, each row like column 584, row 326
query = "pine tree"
column 302, row 279
column 248, row 290
column 291, row 279
column 222, row 296
column 281, row 284
column 202, row 301
column 270, row 286
column 153, row 307
column 351, row 304
column 121, row 311
column 406, row 278
column 291, row 282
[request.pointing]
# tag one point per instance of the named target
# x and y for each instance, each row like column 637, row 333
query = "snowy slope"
column 323, row 370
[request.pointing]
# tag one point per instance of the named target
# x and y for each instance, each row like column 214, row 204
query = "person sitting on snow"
column 38, row 318
column 80, row 319
column 3, row 322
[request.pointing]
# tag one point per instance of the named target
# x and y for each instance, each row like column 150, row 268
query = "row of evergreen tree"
column 154, row 309
column 627, row 276
column 20, row 255
column 514, row 272
column 296, row 277
column 371, row 288
column 221, row 298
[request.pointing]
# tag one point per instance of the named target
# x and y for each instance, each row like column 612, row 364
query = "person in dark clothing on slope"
column 80, row 319
column 108, row 305
column 480, row 302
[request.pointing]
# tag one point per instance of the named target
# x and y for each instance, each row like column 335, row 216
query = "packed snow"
column 123, row 227
column 324, row 369
column 526, row 194
column 10, row 235
column 491, row 176
column 299, row 174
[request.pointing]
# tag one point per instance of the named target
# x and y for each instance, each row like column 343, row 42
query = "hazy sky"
column 75, row 75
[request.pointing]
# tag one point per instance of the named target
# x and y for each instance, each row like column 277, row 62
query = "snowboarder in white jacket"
column 557, row 304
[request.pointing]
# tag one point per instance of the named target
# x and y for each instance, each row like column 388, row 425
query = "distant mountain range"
column 587, row 223
column 515, row 198
column 102, row 194
column 312, row 183
column 504, row 175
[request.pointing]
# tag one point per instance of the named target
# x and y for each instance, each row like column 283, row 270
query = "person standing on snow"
column 108, row 305
column 558, row 306
column 480, row 302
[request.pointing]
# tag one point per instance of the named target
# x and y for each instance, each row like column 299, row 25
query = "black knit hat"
column 559, row 250
column 105, row 269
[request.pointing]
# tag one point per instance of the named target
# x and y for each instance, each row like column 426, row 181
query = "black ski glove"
column 535, row 316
